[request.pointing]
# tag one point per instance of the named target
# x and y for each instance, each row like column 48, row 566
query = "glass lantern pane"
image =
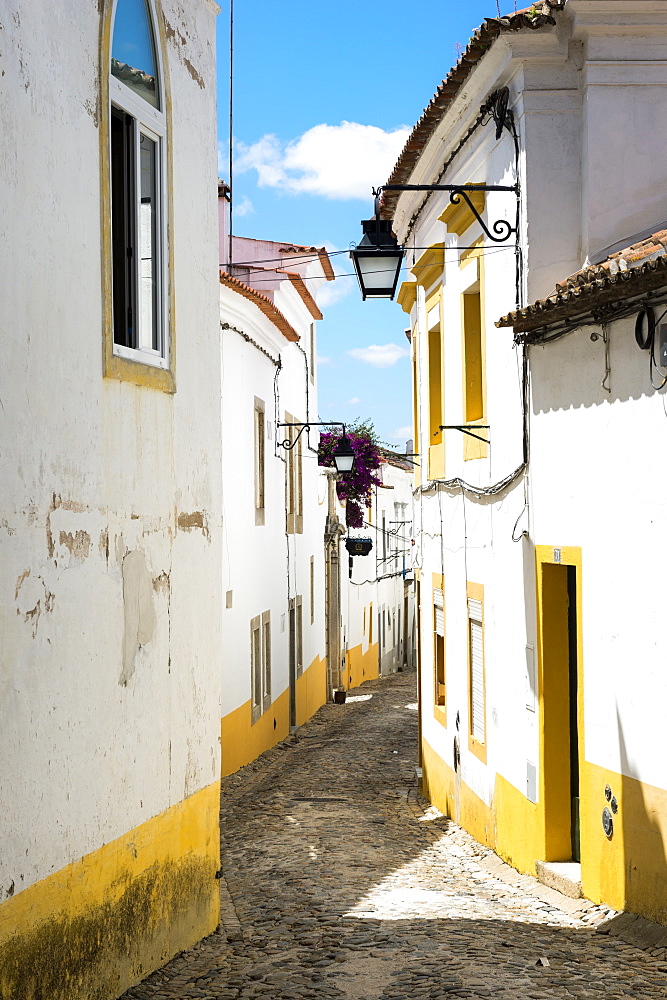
column 148, row 243
column 133, row 58
column 379, row 272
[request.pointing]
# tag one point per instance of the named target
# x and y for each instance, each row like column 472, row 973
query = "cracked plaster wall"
column 110, row 519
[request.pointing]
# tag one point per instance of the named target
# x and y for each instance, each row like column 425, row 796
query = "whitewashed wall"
column 104, row 721
column 599, row 481
column 378, row 579
column 262, row 566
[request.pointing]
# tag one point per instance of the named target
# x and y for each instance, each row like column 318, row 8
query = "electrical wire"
column 646, row 342
column 276, row 361
column 335, row 253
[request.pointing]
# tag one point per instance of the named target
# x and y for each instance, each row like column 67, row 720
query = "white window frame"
column 152, row 123
column 260, row 664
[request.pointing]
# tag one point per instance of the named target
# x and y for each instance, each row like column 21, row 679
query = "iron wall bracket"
column 465, row 429
column 288, row 445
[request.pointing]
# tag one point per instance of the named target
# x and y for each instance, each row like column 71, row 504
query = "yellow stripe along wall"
column 243, row 742
column 628, row 870
column 361, row 666
column 92, row 929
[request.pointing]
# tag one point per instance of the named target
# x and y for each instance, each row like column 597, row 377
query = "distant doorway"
column 561, row 708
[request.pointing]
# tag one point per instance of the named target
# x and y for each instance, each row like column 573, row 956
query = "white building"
column 597, row 417
column 376, row 602
column 110, row 527
column 273, row 499
column 527, row 713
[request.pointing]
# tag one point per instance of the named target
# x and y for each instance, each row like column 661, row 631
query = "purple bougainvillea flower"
column 354, row 488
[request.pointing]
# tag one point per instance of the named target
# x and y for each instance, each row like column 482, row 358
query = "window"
column 476, row 679
column 260, row 663
column 294, row 485
column 260, row 437
column 435, row 377
column 474, row 375
column 296, row 633
column 472, row 344
column 137, row 184
column 312, row 590
column 439, row 644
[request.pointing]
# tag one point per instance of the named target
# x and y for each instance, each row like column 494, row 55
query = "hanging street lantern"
column 377, row 259
column 343, row 456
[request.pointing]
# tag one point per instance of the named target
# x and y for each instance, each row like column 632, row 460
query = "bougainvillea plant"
column 354, row 489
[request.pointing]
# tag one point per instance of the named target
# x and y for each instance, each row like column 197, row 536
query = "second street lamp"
column 343, row 455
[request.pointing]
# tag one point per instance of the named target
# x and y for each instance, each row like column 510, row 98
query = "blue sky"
column 323, row 96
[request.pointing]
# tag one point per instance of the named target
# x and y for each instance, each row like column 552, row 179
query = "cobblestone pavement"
column 340, row 882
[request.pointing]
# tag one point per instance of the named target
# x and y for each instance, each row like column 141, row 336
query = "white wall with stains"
column 110, row 492
column 263, row 565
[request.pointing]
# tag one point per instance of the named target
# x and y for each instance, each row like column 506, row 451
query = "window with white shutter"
column 260, row 663
column 439, row 645
column 476, row 655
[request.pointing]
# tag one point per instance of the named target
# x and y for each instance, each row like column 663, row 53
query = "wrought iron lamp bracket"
column 501, row 229
column 289, row 445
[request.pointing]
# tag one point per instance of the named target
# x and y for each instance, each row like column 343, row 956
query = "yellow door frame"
column 553, row 688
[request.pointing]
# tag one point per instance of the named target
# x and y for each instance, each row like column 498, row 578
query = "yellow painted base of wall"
column 311, row 690
column 242, row 742
column 93, row 929
column 627, row 871
column 443, row 787
column 361, row 666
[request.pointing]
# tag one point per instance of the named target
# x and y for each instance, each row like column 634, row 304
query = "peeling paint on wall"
column 138, row 610
column 195, row 520
column 104, row 544
column 32, row 597
column 77, row 543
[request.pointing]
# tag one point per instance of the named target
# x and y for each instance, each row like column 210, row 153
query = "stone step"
column 565, row 876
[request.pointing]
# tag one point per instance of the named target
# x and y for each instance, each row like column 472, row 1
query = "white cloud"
column 245, row 207
column 321, row 360
column 333, row 161
column 401, row 433
column 380, row 355
column 353, row 401
column 333, row 291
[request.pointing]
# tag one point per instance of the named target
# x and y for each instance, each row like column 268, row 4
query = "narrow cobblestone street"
column 340, row 882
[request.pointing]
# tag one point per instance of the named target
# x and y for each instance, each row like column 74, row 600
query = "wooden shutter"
column 256, row 666
column 266, row 660
column 476, row 638
column 439, row 611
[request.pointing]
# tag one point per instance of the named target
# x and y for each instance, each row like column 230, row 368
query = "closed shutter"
column 439, row 611
column 476, row 670
column 266, row 650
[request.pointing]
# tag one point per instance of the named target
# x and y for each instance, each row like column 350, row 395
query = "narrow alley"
column 339, row 881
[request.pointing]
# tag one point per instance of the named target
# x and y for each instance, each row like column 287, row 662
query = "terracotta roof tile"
column 538, row 15
column 320, row 251
column 640, row 267
column 300, row 286
column 263, row 302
